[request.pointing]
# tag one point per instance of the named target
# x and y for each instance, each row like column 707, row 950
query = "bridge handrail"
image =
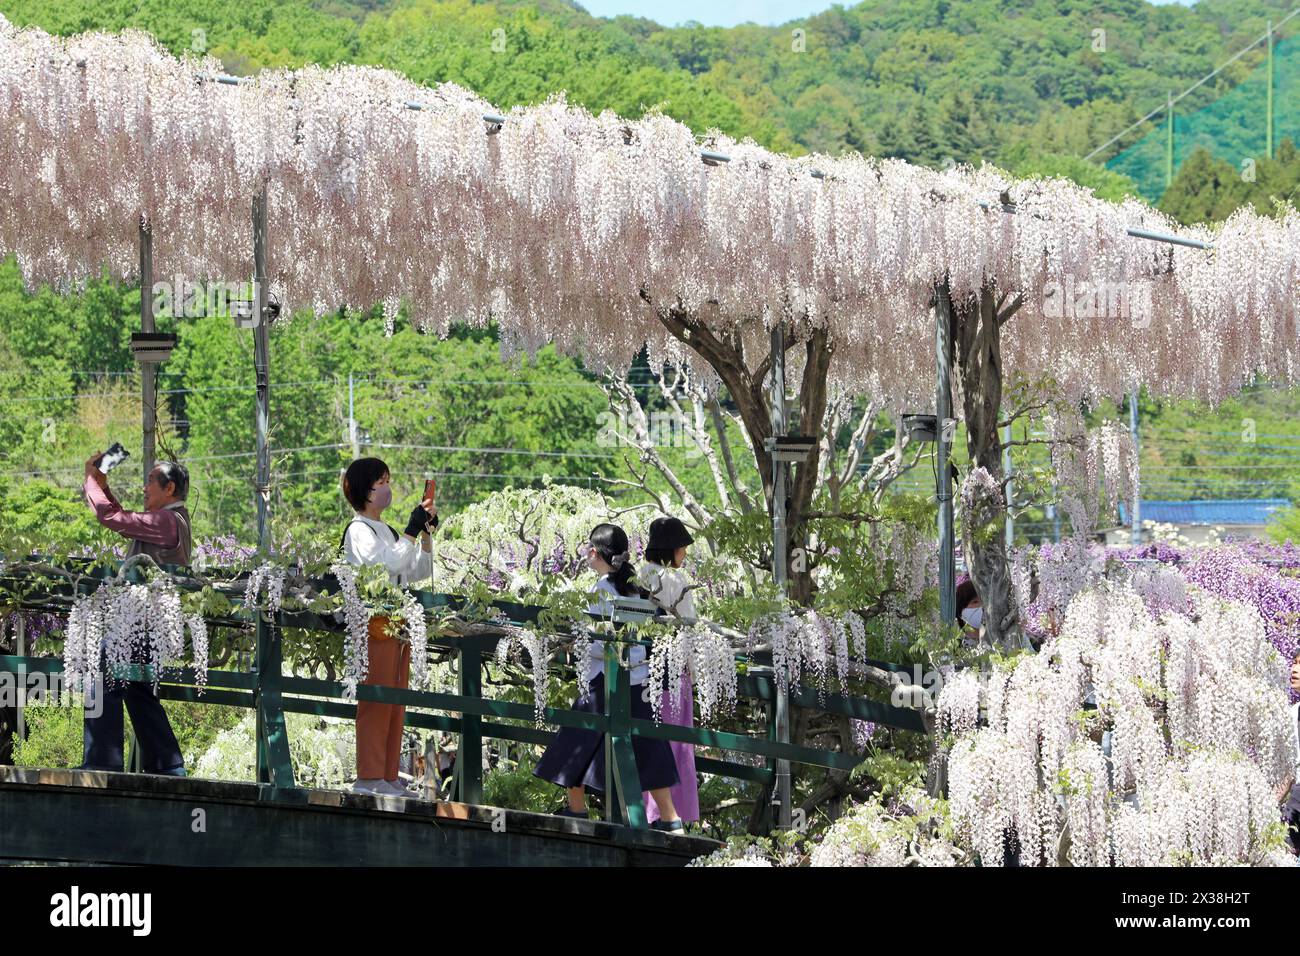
column 271, row 693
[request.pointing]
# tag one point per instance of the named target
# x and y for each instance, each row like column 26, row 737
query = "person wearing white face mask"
column 408, row 558
column 970, row 612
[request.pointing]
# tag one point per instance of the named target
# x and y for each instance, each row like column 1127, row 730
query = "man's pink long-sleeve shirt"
column 152, row 527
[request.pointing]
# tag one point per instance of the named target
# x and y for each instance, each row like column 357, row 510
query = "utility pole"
column 262, row 372
column 1006, row 470
column 780, row 573
column 352, row 422
column 943, row 444
column 148, row 370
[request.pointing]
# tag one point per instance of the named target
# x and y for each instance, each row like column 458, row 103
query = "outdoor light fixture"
column 921, row 427
column 792, row 448
column 152, row 346
column 242, row 310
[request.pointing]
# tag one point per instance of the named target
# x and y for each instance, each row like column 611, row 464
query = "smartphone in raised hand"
column 115, row 455
column 430, row 492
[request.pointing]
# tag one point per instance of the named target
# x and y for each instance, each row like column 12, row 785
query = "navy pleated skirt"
column 576, row 757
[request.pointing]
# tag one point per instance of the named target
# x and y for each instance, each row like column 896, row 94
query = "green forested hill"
column 1028, row 83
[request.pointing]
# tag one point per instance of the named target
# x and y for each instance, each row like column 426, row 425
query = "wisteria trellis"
column 569, row 227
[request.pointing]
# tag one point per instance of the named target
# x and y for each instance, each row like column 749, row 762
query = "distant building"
column 1243, row 517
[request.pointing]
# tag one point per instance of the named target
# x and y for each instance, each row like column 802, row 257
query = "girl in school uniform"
column 408, row 558
column 669, row 587
column 576, row 757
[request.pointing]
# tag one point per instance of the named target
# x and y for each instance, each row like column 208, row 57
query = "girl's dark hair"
column 965, row 594
column 360, row 478
column 610, row 540
column 661, row 556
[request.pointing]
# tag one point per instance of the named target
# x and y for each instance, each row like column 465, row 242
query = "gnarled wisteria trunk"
column 745, row 384
column 976, row 339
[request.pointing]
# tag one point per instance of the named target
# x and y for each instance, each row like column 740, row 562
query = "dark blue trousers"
column 102, row 736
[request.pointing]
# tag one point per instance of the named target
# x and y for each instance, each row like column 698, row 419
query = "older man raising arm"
column 161, row 531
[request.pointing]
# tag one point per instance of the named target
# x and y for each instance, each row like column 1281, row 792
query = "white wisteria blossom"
column 810, row 647
column 356, row 617
column 516, row 639
column 577, row 229
column 141, row 624
column 709, row 658
column 1139, row 735
column 268, row 576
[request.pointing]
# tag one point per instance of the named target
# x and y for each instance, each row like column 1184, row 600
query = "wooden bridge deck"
column 140, row 819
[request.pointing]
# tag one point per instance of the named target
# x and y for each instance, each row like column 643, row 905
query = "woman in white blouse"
column 672, row 590
column 368, row 540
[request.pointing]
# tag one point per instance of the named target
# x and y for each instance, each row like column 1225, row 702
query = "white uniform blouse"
column 596, row 653
column 668, row 588
column 368, row 542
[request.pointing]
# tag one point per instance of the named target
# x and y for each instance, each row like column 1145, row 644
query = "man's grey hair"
column 170, row 472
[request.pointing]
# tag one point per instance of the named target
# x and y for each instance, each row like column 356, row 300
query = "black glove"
column 419, row 518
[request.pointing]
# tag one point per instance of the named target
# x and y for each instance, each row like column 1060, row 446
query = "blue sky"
column 721, row 13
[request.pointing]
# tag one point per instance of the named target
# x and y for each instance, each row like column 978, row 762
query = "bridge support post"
column 469, row 755
column 274, row 765
column 622, row 782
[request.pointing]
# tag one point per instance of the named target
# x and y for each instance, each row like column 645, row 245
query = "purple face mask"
column 381, row 496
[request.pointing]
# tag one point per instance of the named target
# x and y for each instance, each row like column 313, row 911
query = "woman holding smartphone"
column 368, row 540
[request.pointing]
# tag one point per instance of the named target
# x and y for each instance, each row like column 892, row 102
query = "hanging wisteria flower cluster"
column 810, row 647
column 710, row 661
column 537, row 646
column 1189, row 708
column 1085, row 460
column 356, row 618
column 571, row 228
column 270, row 577
column 130, row 624
column 417, row 632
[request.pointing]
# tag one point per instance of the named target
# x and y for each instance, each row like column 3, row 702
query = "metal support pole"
column 352, row 422
column 148, row 415
column 148, row 370
column 1056, row 515
column 1007, row 470
column 943, row 446
column 20, row 634
column 261, row 361
column 274, row 763
column 780, row 572
column 469, row 754
column 1136, row 535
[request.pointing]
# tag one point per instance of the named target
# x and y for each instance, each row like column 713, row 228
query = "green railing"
column 272, row 694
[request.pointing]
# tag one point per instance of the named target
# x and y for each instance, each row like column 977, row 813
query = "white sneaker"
column 394, row 788
column 374, row 787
